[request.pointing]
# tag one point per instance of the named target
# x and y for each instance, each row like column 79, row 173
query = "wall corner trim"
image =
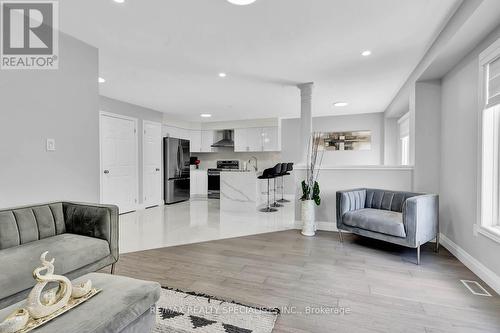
column 484, row 273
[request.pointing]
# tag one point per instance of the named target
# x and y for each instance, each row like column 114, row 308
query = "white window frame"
column 404, row 121
column 405, row 150
column 488, row 180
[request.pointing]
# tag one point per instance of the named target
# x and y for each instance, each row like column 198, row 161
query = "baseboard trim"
column 484, row 273
column 322, row 226
column 327, row 226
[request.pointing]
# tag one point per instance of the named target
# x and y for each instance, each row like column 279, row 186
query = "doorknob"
column 157, row 169
column 106, row 171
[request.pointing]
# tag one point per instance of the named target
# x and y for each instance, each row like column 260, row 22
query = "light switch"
column 51, row 145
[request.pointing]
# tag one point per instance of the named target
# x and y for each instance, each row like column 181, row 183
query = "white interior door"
column 152, row 163
column 119, row 179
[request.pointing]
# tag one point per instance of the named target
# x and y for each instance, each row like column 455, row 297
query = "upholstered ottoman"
column 123, row 305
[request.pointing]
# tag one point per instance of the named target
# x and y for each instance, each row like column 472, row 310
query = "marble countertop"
column 239, row 191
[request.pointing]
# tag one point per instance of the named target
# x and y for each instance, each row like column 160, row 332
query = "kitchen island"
column 242, row 191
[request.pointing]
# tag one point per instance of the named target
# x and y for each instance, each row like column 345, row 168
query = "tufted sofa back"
column 27, row 224
column 387, row 200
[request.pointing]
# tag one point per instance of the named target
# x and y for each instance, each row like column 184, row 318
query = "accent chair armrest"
column 421, row 218
column 93, row 220
column 349, row 200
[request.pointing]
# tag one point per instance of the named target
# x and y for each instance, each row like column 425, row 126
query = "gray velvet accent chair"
column 82, row 237
column 403, row 218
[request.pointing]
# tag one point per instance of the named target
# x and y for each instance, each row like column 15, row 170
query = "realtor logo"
column 29, row 35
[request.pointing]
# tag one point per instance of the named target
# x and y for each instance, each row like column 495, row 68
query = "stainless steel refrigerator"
column 176, row 168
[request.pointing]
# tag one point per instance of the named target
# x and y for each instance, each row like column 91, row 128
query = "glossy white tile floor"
column 198, row 220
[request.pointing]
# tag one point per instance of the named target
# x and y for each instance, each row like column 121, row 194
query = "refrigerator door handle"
column 179, row 157
column 181, row 160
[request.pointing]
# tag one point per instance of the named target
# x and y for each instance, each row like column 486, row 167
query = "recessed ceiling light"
column 338, row 104
column 119, row 1
column 241, row 2
column 205, row 115
column 101, row 80
column 222, row 74
column 366, row 53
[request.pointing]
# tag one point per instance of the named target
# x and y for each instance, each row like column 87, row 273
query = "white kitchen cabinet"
column 184, row 134
column 168, row 131
column 240, row 140
column 195, row 141
column 256, row 139
column 248, row 139
column 207, row 140
column 198, row 182
column 200, row 141
column 175, row 132
column 271, row 139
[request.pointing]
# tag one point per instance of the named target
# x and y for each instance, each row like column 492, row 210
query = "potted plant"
column 310, row 186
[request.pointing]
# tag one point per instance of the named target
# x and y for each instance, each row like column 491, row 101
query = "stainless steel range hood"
column 227, row 140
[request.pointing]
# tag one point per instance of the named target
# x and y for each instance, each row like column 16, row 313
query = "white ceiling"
column 166, row 54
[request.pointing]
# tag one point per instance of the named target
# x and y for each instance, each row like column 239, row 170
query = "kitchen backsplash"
column 265, row 159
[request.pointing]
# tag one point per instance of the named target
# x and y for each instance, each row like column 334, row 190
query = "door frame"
column 161, row 202
column 136, row 147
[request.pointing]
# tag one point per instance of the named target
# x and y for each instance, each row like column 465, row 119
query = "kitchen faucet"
column 250, row 160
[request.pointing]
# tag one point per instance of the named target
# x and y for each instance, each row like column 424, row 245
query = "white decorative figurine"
column 40, row 304
column 15, row 321
column 43, row 306
column 81, row 289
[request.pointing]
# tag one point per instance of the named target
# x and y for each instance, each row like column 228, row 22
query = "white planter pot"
column 308, row 218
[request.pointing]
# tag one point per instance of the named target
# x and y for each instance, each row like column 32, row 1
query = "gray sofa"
column 404, row 218
column 83, row 238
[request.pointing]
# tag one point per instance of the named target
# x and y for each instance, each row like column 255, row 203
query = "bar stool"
column 288, row 169
column 277, row 173
column 280, row 187
column 268, row 174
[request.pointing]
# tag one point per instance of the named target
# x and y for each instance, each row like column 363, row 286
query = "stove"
column 214, row 176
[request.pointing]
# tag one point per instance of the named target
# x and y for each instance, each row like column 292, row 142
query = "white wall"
column 459, row 137
column 370, row 121
column 62, row 104
column 391, row 141
column 134, row 111
column 427, row 158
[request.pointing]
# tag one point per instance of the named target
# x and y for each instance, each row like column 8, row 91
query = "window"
column 490, row 142
column 405, row 150
column 404, row 139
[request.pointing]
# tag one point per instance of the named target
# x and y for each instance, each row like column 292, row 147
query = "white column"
column 305, row 118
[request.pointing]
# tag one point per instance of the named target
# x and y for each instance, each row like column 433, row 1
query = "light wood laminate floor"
column 377, row 283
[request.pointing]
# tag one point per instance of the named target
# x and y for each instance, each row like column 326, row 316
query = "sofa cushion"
column 70, row 251
column 377, row 220
column 386, row 200
column 121, row 301
column 23, row 225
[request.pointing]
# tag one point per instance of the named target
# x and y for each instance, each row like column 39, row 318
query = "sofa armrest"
column 421, row 218
column 349, row 200
column 93, row 220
